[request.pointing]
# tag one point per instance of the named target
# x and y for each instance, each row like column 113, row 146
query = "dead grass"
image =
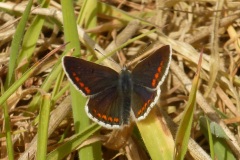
column 188, row 26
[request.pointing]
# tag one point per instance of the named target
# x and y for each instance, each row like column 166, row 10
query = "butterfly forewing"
column 88, row 77
column 152, row 71
column 147, row 77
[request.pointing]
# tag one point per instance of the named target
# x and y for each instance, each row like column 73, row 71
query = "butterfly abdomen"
column 125, row 88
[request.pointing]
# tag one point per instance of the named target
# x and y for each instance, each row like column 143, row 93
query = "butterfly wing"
column 88, row 77
column 107, row 109
column 147, row 77
column 143, row 100
column 99, row 83
column 152, row 71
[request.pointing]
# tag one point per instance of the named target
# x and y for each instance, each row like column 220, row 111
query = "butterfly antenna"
column 107, row 57
column 138, row 54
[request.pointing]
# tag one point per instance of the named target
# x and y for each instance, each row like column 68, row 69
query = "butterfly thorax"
column 125, row 87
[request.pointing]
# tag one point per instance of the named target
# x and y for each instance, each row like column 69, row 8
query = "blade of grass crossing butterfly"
column 81, row 120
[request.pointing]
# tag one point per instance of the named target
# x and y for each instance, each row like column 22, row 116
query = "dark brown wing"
column 152, row 71
column 88, row 77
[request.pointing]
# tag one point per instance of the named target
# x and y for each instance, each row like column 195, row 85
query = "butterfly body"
column 125, row 88
column 115, row 98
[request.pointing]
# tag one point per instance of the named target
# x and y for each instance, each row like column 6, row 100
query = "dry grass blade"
column 125, row 27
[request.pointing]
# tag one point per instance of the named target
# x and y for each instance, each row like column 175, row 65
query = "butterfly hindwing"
column 88, row 77
column 143, row 99
column 152, row 71
column 107, row 108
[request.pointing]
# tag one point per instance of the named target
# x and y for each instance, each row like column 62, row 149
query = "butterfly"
column 114, row 99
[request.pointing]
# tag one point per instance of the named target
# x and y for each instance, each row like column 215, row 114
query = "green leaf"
column 219, row 137
column 156, row 136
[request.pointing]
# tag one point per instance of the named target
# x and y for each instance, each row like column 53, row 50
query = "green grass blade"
column 88, row 15
column 43, row 127
column 15, row 47
column 184, row 130
column 7, row 128
column 15, row 86
column 71, row 35
column 88, row 19
column 30, row 38
column 46, row 85
column 24, row 77
column 16, row 44
column 124, row 17
column 60, row 93
column 156, row 136
column 210, row 140
column 72, row 144
column 7, row 125
column 217, row 138
column 57, row 84
column 125, row 44
column 81, row 120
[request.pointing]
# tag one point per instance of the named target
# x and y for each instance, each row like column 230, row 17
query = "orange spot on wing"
column 145, row 106
column 87, row 90
column 116, row 120
column 148, row 101
column 74, row 74
column 99, row 115
column 142, row 109
column 110, row 119
column 154, row 82
column 160, row 67
column 77, row 79
column 139, row 112
column 156, row 75
column 104, row 117
column 81, row 84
